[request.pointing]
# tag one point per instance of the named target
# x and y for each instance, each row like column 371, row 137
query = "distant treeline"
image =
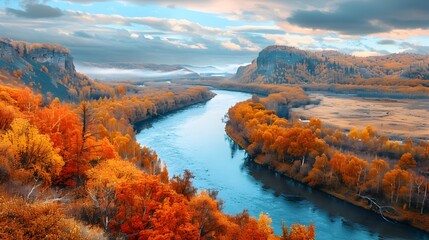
column 292, row 94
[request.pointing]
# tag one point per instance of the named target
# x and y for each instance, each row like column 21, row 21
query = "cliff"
column 282, row 64
column 46, row 68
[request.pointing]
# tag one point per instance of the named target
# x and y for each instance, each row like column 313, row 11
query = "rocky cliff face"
column 6, row 50
column 282, row 64
column 272, row 56
column 274, row 63
column 45, row 54
column 62, row 60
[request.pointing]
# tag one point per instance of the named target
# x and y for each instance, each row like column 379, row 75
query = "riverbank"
column 413, row 219
column 139, row 124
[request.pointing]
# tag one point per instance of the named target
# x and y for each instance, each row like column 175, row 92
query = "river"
column 194, row 138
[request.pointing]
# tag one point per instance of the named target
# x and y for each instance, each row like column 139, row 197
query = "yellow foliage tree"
column 102, row 184
column 30, row 155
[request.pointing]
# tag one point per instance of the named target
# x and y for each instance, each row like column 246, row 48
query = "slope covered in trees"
column 47, row 69
column 75, row 171
column 360, row 167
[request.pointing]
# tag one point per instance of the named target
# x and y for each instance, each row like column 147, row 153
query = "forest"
column 75, row 171
column 360, row 166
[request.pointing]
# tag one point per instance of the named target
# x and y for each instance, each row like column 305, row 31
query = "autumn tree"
column 103, row 181
column 337, row 164
column 354, row 172
column 211, row 223
column 182, row 184
column 40, row 221
column 143, row 205
column 63, row 127
column 30, row 154
column 378, row 168
column 7, row 114
column 319, row 173
column 298, row 232
column 395, row 183
column 84, row 143
column 407, row 161
column 304, row 143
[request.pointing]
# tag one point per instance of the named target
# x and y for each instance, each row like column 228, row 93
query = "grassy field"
column 397, row 118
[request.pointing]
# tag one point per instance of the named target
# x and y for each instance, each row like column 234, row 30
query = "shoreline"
column 408, row 218
column 137, row 125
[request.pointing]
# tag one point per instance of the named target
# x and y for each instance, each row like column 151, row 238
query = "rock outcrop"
column 60, row 59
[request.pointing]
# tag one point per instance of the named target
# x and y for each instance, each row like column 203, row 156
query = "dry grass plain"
column 396, row 118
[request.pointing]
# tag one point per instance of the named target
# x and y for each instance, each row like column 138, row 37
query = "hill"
column 47, row 69
column 282, row 64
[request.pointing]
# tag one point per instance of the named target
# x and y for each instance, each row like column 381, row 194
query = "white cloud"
column 119, row 73
column 255, row 28
column 147, row 36
column 365, row 54
column 134, row 36
column 291, row 40
column 231, row 46
column 184, row 45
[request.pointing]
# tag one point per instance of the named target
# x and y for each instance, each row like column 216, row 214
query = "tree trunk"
column 411, row 191
column 418, row 196
column 397, row 190
column 424, row 199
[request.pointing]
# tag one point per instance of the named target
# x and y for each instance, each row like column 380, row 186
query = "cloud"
column 134, row 35
column 257, row 29
column 35, row 10
column 387, row 42
column 119, row 73
column 414, row 48
column 365, row 54
column 177, row 43
column 403, row 33
column 90, row 41
column 219, row 39
column 365, row 17
column 164, row 24
column 290, row 40
column 82, row 34
column 231, row 46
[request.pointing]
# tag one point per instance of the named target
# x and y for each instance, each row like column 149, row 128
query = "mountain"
column 47, row 69
column 134, row 71
column 282, row 64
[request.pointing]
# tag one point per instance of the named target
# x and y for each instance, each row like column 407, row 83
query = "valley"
column 214, row 120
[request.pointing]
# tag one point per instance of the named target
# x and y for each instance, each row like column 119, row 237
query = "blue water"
column 195, row 139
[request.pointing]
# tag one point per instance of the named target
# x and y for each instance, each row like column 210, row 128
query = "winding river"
column 194, row 138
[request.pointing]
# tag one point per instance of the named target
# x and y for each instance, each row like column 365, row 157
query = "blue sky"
column 222, row 33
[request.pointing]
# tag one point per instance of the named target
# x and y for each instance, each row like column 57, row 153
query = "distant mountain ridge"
column 283, row 64
column 46, row 68
column 134, row 71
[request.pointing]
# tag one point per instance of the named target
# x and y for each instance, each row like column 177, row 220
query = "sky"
column 222, row 33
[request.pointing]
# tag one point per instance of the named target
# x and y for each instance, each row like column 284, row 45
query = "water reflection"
column 339, row 213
